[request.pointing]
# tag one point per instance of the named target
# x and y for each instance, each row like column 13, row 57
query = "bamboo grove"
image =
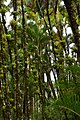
column 40, row 60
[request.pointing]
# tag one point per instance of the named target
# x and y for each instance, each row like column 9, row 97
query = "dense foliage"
column 39, row 59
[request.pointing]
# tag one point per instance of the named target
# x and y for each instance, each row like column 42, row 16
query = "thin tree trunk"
column 72, row 12
column 1, row 68
column 16, row 67
column 26, row 93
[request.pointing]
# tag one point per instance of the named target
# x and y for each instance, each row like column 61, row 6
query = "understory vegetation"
column 39, row 59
